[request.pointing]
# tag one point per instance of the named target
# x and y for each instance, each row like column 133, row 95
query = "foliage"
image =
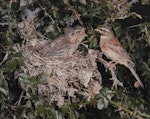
column 132, row 29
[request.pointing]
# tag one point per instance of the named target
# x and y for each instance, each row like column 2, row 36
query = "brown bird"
column 113, row 49
column 64, row 45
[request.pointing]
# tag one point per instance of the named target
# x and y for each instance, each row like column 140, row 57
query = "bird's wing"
column 58, row 47
column 116, row 46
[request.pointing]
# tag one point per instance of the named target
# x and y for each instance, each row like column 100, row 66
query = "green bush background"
column 54, row 16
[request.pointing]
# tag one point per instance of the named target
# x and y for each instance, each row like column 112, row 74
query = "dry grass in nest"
column 76, row 77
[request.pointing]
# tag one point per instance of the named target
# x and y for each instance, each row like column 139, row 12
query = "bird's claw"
column 110, row 65
column 116, row 83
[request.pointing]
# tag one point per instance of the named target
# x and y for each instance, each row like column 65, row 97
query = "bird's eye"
column 102, row 29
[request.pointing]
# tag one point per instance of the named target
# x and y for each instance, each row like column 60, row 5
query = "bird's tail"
column 136, row 76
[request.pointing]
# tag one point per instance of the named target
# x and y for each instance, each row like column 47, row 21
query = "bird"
column 65, row 45
column 113, row 49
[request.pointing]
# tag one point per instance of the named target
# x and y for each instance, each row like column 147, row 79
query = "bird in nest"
column 65, row 45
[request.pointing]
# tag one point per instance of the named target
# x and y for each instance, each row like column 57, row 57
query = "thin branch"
column 111, row 66
column 45, row 12
column 133, row 113
column 5, row 58
column 4, row 24
column 75, row 12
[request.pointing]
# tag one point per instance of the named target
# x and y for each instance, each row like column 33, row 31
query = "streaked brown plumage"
column 64, row 45
column 112, row 48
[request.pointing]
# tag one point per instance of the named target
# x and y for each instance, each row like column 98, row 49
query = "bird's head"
column 105, row 31
column 75, row 34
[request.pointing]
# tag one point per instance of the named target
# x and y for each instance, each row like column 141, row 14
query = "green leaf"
column 24, row 78
column 50, row 28
column 4, row 91
column 83, row 2
column 93, row 41
column 103, row 2
column 43, row 78
column 19, row 62
column 3, row 86
column 10, row 65
column 66, row 1
column 30, row 115
column 100, row 104
column 103, row 98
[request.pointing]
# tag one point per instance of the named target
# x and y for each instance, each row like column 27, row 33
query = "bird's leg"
column 112, row 65
column 104, row 62
column 114, row 78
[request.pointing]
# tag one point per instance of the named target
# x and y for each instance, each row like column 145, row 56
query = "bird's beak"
column 98, row 30
column 83, row 32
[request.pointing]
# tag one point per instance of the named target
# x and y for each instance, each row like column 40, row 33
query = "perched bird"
column 113, row 49
column 64, row 45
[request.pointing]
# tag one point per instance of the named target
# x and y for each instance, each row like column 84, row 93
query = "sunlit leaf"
column 4, row 91
column 83, row 2
column 100, row 104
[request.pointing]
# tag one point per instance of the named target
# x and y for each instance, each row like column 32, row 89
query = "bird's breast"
column 103, row 45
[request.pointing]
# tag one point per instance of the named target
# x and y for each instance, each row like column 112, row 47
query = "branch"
column 75, row 12
column 111, row 66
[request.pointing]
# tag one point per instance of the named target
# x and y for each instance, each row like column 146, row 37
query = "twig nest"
column 74, row 77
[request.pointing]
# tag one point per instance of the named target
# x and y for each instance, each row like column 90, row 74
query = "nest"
column 75, row 77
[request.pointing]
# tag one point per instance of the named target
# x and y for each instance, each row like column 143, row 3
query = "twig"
column 45, row 12
column 9, row 18
column 5, row 58
column 20, row 98
column 133, row 113
column 75, row 12
column 7, row 107
column 4, row 24
column 96, row 1
column 111, row 67
column 114, row 78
